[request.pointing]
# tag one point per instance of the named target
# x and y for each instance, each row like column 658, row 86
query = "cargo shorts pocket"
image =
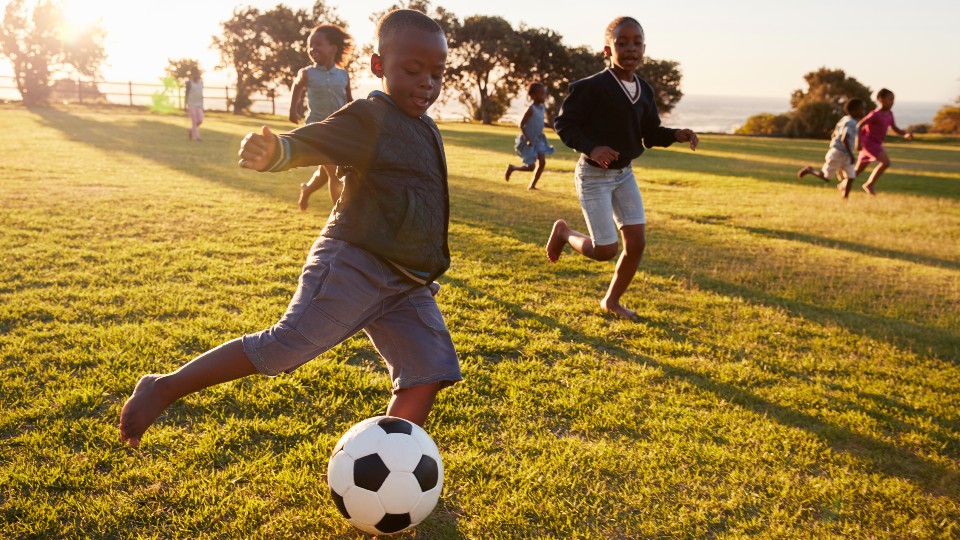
column 350, row 288
column 429, row 313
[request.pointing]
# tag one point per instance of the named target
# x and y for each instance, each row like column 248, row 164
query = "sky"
column 734, row 48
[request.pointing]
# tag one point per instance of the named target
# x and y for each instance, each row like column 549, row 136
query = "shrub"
column 812, row 119
column 947, row 120
column 765, row 124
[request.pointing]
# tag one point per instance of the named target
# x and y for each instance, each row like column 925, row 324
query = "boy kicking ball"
column 370, row 270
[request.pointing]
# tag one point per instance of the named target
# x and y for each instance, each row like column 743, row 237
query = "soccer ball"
column 385, row 475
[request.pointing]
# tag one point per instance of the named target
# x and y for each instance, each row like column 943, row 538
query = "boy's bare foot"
column 148, row 400
column 304, row 197
column 617, row 309
column 508, row 172
column 804, row 171
column 557, row 241
column 869, row 189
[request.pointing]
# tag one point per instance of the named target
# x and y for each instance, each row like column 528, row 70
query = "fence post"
column 179, row 101
column 79, row 90
column 130, row 91
column 226, row 92
column 273, row 103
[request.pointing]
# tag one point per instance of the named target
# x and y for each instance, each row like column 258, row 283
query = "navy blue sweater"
column 597, row 112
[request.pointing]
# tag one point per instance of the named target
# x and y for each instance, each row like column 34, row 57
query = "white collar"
column 636, row 80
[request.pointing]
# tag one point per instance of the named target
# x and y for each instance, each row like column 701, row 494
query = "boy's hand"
column 687, row 135
column 603, row 155
column 257, row 150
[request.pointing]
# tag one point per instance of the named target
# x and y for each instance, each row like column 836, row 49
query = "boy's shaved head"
column 392, row 23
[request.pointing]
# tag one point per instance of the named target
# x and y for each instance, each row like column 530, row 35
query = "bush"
column 947, row 120
column 813, row 119
column 764, row 124
column 918, row 128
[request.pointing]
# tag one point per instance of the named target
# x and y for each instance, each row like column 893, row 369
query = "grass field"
column 795, row 371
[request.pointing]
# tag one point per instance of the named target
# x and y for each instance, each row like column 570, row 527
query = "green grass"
column 794, row 373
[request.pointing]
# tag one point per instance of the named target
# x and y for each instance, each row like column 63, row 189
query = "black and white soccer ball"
column 385, row 475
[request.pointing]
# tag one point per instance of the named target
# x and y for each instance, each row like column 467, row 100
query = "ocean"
column 724, row 114
column 701, row 113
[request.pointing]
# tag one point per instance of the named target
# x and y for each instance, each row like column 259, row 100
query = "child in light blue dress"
column 531, row 143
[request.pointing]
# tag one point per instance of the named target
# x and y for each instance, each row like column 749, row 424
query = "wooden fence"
column 134, row 94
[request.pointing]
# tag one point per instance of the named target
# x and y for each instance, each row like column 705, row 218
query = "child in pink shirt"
column 873, row 130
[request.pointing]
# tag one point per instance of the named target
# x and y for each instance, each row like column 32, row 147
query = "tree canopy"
column 814, row 111
column 267, row 48
column 38, row 48
column 181, row 68
column 947, row 119
column 482, row 68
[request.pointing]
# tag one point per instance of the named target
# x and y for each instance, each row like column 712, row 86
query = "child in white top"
column 840, row 159
column 194, row 104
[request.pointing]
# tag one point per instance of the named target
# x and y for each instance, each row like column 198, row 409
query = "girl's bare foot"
column 509, row 171
column 149, row 399
column 558, row 239
column 617, row 309
column 304, row 197
column 869, row 189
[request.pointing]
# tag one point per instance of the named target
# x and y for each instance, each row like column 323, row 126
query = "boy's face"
column 321, row 50
column 857, row 112
column 627, row 47
column 412, row 65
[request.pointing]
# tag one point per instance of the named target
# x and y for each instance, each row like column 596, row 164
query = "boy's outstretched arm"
column 687, row 135
column 258, row 150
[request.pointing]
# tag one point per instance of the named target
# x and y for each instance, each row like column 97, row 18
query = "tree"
column 947, row 119
column 445, row 18
column 664, row 76
column 38, row 49
column 816, row 111
column 181, row 68
column 547, row 60
column 266, row 49
column 242, row 49
column 482, row 67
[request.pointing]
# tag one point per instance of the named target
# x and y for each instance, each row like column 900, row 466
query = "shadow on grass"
column 763, row 163
column 214, row 159
column 844, row 245
column 534, row 226
column 878, row 456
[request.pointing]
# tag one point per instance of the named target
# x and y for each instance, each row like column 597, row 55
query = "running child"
column 327, row 87
column 374, row 265
column 194, row 101
column 609, row 118
column 531, row 143
column 840, row 158
column 873, row 130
